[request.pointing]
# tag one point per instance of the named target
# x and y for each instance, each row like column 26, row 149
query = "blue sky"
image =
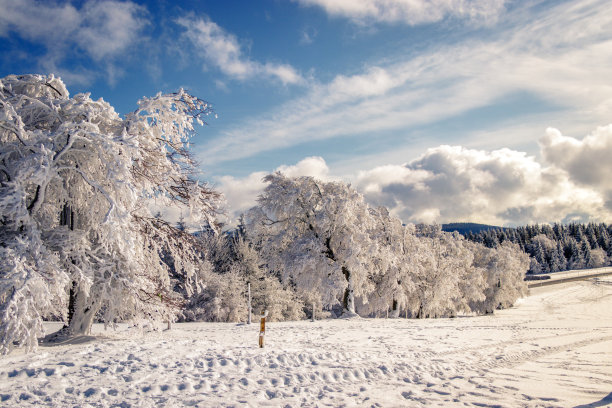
column 488, row 111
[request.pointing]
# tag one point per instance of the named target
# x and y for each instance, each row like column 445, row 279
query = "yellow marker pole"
column 262, row 329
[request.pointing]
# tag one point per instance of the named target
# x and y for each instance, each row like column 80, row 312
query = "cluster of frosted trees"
column 78, row 241
column 556, row 247
column 322, row 240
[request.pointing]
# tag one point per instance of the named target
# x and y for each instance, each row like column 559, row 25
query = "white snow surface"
column 576, row 273
column 553, row 349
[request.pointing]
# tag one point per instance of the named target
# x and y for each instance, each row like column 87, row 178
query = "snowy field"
column 553, row 349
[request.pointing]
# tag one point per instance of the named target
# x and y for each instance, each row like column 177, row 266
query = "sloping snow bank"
column 553, row 349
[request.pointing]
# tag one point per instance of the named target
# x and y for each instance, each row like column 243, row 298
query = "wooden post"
column 313, row 311
column 262, row 329
column 249, row 303
column 169, row 324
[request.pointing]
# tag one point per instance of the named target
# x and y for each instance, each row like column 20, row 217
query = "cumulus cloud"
column 500, row 187
column 311, row 166
column 588, row 161
column 411, row 12
column 457, row 184
column 102, row 30
column 241, row 193
column 221, row 49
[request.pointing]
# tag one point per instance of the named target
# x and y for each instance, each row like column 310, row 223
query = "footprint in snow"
column 49, row 371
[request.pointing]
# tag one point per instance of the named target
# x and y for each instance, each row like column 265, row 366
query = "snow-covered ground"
column 553, row 349
column 576, row 273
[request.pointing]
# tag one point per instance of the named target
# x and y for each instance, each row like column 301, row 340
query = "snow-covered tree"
column 221, row 299
column 398, row 260
column 504, row 270
column 316, row 236
column 222, row 296
column 76, row 234
column 541, row 249
column 266, row 289
column 557, row 259
column 448, row 281
column 598, row 258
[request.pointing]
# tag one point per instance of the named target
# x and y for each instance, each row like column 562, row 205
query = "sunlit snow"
column 552, row 350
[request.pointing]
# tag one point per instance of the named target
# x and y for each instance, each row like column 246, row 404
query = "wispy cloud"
column 410, row 12
column 308, row 35
column 222, row 50
column 101, row 30
column 554, row 55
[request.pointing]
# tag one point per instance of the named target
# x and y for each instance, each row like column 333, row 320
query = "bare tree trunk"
column 348, row 300
column 395, row 312
column 81, row 313
column 249, row 301
column 420, row 314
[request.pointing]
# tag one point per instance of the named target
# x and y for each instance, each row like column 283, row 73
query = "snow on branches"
column 324, row 240
column 315, row 235
column 76, row 237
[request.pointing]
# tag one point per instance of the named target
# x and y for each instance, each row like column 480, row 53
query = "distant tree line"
column 555, row 247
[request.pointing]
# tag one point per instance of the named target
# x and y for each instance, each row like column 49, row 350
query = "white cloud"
column 500, row 187
column 553, row 55
column 588, row 162
column 284, row 72
column 108, row 28
column 241, row 193
column 310, row 166
column 308, row 35
column 376, row 81
column 221, row 49
column 103, row 30
column 174, row 214
column 38, row 21
column 453, row 183
column 411, row 12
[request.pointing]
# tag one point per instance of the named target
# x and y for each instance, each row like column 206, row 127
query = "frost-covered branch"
column 67, row 165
